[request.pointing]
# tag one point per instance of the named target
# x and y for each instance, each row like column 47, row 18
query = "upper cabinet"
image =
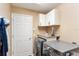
column 48, row 19
column 42, row 20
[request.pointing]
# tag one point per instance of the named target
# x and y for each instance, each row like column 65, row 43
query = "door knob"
column 29, row 38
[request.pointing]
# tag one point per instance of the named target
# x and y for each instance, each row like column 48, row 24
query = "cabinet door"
column 42, row 20
column 50, row 18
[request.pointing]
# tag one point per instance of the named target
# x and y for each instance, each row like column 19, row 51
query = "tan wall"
column 5, row 11
column 69, row 21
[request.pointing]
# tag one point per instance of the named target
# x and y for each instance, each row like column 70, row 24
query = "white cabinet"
column 42, row 20
column 48, row 19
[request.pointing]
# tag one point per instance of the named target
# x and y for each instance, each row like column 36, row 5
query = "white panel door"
column 22, row 35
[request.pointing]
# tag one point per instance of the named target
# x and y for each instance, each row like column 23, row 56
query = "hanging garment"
column 3, row 37
column 0, row 44
column 6, row 21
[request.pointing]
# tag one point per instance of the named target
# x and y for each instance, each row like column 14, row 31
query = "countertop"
column 61, row 46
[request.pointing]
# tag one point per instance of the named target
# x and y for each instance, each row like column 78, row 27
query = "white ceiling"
column 39, row 7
